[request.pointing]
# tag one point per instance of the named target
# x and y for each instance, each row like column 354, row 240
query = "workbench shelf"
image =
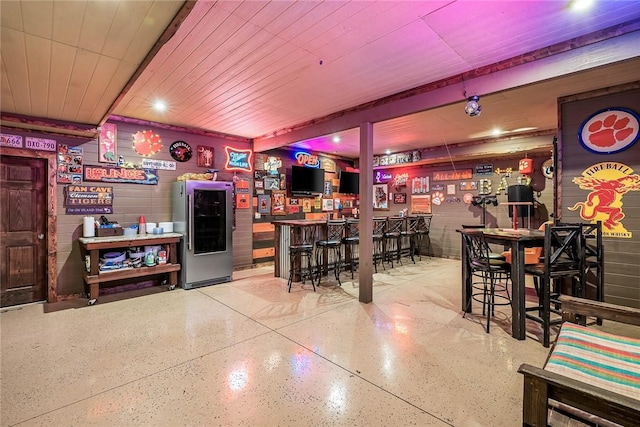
column 91, row 247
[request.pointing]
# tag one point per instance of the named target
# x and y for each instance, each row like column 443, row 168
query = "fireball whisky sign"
column 607, row 182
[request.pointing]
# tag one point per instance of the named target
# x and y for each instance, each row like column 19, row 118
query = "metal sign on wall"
column 328, row 164
column 43, row 144
column 167, row 165
column 453, row 175
column 484, row 169
column 14, row 141
column 122, row 175
column 238, row 159
column 88, row 195
column 85, row 199
column 70, row 163
column 397, row 158
column 607, row 182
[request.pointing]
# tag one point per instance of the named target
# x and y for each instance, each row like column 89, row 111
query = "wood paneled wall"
column 452, row 213
column 132, row 200
column 449, row 215
column 263, row 230
column 622, row 262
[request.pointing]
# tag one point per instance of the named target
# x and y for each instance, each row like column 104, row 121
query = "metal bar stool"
column 352, row 241
column 379, row 227
column 301, row 253
column 393, row 238
column 331, row 247
column 422, row 233
column 494, row 275
column 410, row 234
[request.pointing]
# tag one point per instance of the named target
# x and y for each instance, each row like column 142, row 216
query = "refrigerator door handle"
column 189, row 220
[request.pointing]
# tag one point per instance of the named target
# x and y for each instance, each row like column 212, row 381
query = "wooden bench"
column 587, row 394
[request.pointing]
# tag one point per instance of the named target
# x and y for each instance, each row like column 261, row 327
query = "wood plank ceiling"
column 254, row 68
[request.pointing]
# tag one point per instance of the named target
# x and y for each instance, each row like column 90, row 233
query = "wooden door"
column 23, row 230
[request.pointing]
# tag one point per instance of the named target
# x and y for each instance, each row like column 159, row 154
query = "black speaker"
column 520, row 193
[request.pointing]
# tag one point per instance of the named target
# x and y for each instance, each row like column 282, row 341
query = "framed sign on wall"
column 399, row 198
column 380, row 197
column 421, row 204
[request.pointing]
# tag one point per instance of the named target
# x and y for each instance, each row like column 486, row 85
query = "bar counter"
column 285, row 230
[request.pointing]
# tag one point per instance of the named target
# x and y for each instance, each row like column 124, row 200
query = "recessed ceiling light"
column 336, row 138
column 159, row 106
column 496, row 132
column 578, row 5
column 388, row 152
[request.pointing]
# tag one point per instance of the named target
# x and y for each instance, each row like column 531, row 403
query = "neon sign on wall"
column 382, row 176
column 237, row 160
column 305, row 159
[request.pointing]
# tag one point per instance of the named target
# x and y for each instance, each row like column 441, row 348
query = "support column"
column 366, row 213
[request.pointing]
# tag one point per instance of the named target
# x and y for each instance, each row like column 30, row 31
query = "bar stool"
column 593, row 262
column 592, row 288
column 352, row 241
column 492, row 255
column 379, row 227
column 410, row 233
column 331, row 246
column 300, row 253
column 422, row 233
column 590, row 284
column 563, row 258
column 494, row 275
column 393, row 238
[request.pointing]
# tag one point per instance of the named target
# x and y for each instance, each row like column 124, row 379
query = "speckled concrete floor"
column 249, row 353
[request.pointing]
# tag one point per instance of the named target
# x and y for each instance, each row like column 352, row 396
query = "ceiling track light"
column 473, row 109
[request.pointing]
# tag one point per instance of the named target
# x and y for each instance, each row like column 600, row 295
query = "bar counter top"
column 299, row 222
column 127, row 239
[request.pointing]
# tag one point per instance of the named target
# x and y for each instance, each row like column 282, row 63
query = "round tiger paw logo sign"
column 610, row 131
column 146, row 143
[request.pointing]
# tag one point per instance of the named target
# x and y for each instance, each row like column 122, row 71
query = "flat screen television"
column 349, row 183
column 306, row 181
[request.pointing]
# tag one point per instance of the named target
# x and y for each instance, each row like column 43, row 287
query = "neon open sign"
column 306, row 159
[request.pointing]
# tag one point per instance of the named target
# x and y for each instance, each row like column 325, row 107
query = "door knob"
column 40, row 236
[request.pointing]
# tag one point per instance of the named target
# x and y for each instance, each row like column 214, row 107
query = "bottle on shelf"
column 142, row 225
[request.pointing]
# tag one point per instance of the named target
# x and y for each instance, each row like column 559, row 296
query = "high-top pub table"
column 519, row 240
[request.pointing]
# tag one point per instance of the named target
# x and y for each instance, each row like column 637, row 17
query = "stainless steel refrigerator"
column 203, row 213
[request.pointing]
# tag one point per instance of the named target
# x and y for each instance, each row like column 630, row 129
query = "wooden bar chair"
column 563, row 259
column 593, row 286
